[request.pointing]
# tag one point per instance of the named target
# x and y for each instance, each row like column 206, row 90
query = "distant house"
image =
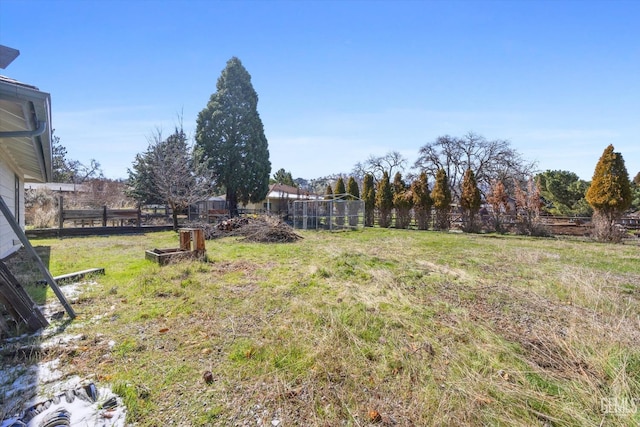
column 25, row 150
column 280, row 199
column 58, row 187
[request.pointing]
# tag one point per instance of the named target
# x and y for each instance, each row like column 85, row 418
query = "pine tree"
column 470, row 202
column 609, row 194
column 230, row 136
column 384, row 201
column 422, row 202
column 441, row 196
column 141, row 185
column 369, row 197
column 283, row 177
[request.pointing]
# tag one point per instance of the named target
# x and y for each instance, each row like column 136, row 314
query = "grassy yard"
column 386, row 327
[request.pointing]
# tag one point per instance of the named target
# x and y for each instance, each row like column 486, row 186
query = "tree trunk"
column 174, row 214
column 232, row 203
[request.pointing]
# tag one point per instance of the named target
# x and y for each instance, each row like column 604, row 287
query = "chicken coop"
column 342, row 212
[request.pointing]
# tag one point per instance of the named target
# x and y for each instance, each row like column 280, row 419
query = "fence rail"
column 101, row 217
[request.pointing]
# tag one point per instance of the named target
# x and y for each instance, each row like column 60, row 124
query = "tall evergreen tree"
column 340, row 188
column 563, row 192
column 59, row 163
column 141, row 185
column 369, row 197
column 422, row 202
column 283, row 177
column 384, row 201
column 353, row 204
column 609, row 194
column 402, row 201
column 635, row 192
column 352, row 189
column 68, row 170
column 441, row 196
column 231, row 137
column 469, row 201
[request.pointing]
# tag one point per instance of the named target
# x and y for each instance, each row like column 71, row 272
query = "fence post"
column 139, row 217
column 104, row 216
column 60, row 212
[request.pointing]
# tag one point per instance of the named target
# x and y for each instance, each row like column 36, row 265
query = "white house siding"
column 9, row 242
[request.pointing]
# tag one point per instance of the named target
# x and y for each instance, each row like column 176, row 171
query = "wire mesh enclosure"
column 338, row 213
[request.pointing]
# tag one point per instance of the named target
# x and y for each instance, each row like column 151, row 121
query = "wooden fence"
column 101, row 217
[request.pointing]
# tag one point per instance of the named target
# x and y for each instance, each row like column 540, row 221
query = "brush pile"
column 262, row 229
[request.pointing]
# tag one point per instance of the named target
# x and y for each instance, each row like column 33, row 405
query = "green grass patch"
column 425, row 328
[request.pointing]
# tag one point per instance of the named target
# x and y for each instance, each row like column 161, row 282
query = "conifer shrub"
column 470, row 202
column 609, row 195
column 353, row 194
column 384, row 201
column 402, row 201
column 422, row 201
column 369, row 197
column 441, row 196
column 328, row 194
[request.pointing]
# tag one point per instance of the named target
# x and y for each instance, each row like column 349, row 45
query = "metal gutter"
column 42, row 127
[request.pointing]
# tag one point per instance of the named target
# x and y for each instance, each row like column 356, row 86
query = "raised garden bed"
column 191, row 247
column 165, row 256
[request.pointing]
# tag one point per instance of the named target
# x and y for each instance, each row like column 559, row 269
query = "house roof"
column 25, row 129
column 278, row 191
column 61, row 187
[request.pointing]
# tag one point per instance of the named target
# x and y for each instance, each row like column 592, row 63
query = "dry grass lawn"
column 385, row 327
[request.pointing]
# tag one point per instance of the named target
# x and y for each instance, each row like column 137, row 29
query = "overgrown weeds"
column 389, row 327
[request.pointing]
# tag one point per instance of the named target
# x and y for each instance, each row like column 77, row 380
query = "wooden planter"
column 191, row 247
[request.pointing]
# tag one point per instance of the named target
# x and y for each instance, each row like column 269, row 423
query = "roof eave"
column 36, row 106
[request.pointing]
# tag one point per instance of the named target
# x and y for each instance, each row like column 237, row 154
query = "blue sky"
column 339, row 80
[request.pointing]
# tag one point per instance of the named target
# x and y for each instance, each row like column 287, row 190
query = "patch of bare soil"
column 264, row 229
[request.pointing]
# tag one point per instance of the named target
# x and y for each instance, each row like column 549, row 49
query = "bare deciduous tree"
column 488, row 159
column 180, row 178
column 376, row 166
